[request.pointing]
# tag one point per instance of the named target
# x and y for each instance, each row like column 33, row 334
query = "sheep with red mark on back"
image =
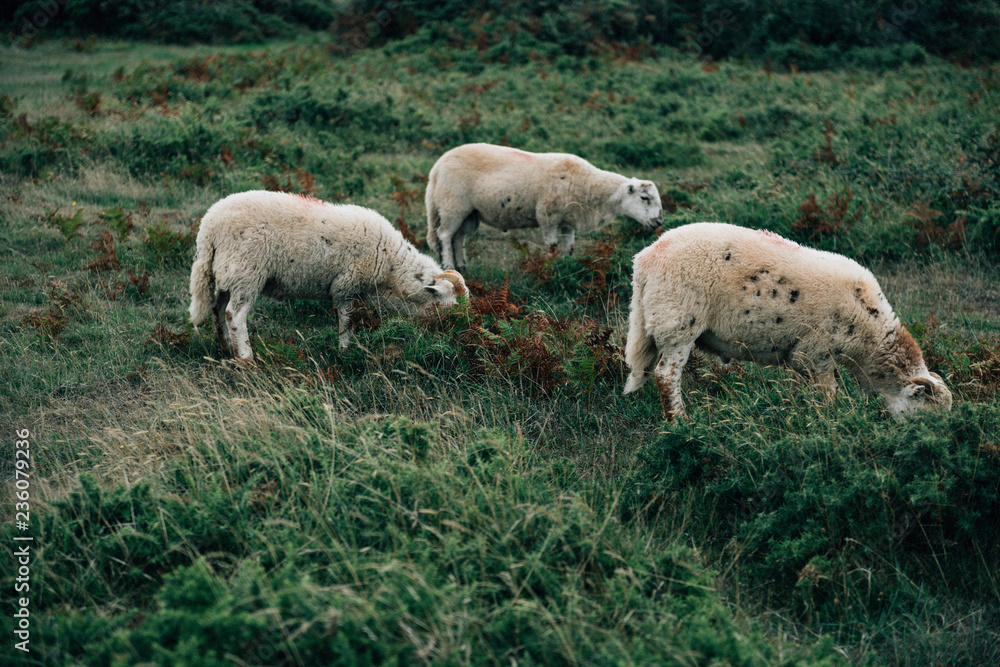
column 752, row 295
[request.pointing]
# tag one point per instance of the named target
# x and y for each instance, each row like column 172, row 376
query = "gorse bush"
column 389, row 537
column 183, row 21
column 809, row 35
column 840, row 516
column 165, row 245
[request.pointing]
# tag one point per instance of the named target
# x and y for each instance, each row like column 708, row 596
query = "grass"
column 473, row 488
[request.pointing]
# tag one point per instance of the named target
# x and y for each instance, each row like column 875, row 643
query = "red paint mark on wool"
column 659, row 246
column 524, row 155
column 311, row 201
column 776, row 238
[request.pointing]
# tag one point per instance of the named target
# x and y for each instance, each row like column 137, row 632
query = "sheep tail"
column 202, row 282
column 433, row 215
column 640, row 347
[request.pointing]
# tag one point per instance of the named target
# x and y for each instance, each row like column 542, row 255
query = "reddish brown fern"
column 107, row 256
column 161, row 334
column 831, row 219
column 407, row 233
column 304, row 184
column 825, row 152
column 924, row 219
column 495, row 303
column 51, row 321
column 598, row 260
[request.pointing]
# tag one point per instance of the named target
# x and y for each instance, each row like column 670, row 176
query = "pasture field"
column 471, row 487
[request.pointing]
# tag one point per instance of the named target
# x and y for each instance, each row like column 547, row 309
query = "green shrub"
column 641, row 153
column 817, row 34
column 370, row 544
column 181, row 21
column 164, row 245
column 37, row 148
column 983, row 232
column 829, row 513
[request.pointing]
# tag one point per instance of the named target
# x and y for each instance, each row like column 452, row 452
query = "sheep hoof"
column 248, row 363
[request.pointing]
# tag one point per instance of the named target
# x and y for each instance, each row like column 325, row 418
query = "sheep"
column 752, row 295
column 509, row 188
column 292, row 246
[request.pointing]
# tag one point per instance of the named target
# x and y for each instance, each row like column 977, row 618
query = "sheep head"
column 640, row 200
column 447, row 287
column 924, row 392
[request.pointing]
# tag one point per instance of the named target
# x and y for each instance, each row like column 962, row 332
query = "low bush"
column 369, row 543
column 182, row 21
column 838, row 516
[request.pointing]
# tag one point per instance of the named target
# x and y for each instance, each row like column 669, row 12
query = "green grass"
column 473, row 487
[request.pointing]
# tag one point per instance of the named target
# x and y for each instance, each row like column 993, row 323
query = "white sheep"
column 291, row 246
column 512, row 189
column 752, row 295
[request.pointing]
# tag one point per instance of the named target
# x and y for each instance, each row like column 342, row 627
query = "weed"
column 834, row 218
column 107, row 254
column 167, row 246
column 49, row 323
column 407, row 233
column 825, row 153
column 305, row 183
column 865, row 502
column 923, row 219
column 494, row 303
column 69, row 226
column 117, row 220
column 672, row 199
column 137, row 284
column 402, row 196
column 199, row 174
column 89, row 102
column 598, row 260
column 53, row 319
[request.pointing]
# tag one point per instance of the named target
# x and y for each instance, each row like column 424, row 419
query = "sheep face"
column 920, row 393
column 446, row 289
column 641, row 202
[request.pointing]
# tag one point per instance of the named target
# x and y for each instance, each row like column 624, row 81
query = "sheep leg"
column 469, row 227
column 550, row 237
column 221, row 327
column 450, row 233
column 447, row 255
column 567, row 237
column 827, row 381
column 824, row 380
column 236, row 318
column 820, row 374
column 668, row 380
column 344, row 311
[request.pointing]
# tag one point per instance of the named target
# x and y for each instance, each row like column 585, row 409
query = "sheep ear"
column 434, row 289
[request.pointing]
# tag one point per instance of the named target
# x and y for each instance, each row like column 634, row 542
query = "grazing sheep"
column 512, row 189
column 290, row 246
column 752, row 295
